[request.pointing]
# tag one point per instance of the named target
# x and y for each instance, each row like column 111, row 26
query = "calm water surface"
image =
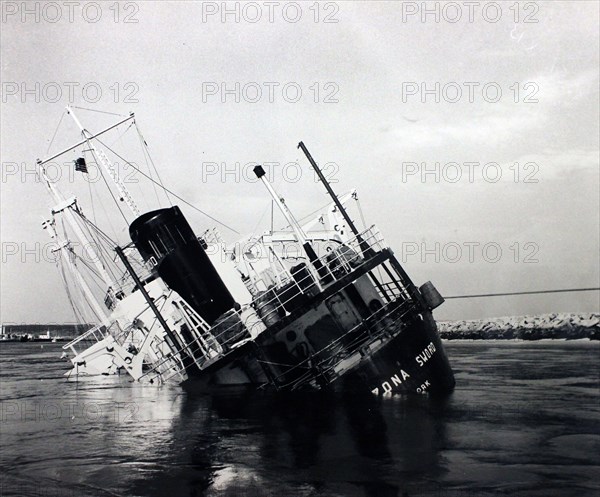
column 523, row 421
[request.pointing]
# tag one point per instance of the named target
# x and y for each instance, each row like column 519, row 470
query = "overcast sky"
column 521, row 97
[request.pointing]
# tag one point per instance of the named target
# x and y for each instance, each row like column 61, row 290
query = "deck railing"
column 208, row 346
column 277, row 302
column 83, row 341
column 382, row 325
column 330, row 267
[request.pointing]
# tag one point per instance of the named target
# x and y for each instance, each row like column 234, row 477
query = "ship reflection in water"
column 348, row 446
column 523, row 421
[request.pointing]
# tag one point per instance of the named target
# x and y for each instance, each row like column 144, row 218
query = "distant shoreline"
column 557, row 326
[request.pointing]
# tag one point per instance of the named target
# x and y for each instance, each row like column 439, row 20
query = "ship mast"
column 67, row 207
column 298, row 231
column 62, row 247
column 289, row 217
column 362, row 244
column 327, row 186
column 107, row 165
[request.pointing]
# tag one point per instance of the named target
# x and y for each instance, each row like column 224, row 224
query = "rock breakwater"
column 568, row 326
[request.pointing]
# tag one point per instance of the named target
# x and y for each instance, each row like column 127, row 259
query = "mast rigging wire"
column 84, row 298
column 87, row 265
column 55, row 131
column 76, row 312
column 119, row 139
column 99, row 111
column 165, row 189
column 92, row 200
column 107, row 185
column 106, row 237
column 170, row 191
column 146, row 150
column 123, row 134
column 85, row 225
column 144, row 146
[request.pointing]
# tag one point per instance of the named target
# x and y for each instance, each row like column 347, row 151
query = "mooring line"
column 522, row 293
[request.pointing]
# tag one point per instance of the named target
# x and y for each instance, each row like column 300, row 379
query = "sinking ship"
column 339, row 313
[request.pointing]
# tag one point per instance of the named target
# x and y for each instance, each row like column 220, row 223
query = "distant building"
column 36, row 329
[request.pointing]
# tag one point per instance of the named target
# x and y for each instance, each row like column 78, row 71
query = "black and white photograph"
column 304, row 248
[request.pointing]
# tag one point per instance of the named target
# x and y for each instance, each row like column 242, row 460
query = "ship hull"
column 413, row 361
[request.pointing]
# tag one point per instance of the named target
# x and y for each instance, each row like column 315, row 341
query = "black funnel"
column 165, row 238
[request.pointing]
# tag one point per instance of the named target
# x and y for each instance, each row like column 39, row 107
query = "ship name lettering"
column 396, row 381
column 424, row 356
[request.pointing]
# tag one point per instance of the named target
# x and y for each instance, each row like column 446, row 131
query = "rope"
column 146, row 150
column 86, row 264
column 106, row 237
column 55, row 131
column 362, row 217
column 92, row 200
column 110, row 245
column 311, row 214
column 96, row 110
column 169, row 191
column 123, row 134
column 84, row 298
column 523, row 293
column 261, row 218
column 119, row 139
column 100, row 253
column 106, row 215
column 78, row 315
column 144, row 147
column 107, row 185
